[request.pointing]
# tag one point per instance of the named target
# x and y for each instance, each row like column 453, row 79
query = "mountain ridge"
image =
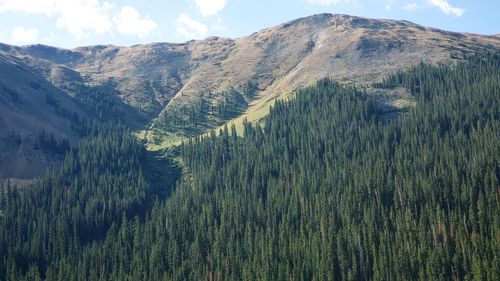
column 169, row 91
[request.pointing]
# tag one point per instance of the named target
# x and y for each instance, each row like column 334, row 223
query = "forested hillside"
column 328, row 189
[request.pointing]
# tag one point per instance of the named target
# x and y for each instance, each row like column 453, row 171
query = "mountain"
column 30, row 105
column 328, row 189
column 169, row 91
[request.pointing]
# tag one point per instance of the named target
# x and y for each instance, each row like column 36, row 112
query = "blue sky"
column 72, row 23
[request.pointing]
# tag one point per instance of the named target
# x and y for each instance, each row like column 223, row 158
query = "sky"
column 73, row 23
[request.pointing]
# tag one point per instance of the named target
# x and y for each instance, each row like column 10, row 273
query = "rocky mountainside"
column 31, row 108
column 169, row 91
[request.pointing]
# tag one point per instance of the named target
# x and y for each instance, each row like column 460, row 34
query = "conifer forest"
column 328, row 186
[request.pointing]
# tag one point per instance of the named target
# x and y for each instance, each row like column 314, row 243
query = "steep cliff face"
column 178, row 90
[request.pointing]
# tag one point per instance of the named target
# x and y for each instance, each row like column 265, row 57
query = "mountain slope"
column 326, row 190
column 177, row 90
column 164, row 79
column 29, row 106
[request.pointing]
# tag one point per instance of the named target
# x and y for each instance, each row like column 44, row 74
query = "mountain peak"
column 343, row 22
column 316, row 19
column 184, row 89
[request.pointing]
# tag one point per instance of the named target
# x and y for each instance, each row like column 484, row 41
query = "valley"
column 256, row 140
column 328, row 188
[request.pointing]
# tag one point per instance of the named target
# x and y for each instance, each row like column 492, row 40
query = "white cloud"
column 29, row 6
column 81, row 16
column 328, row 2
column 447, row 8
column 218, row 27
column 210, row 7
column 84, row 17
column 189, row 28
column 21, row 35
column 129, row 22
column 412, row 6
column 77, row 16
